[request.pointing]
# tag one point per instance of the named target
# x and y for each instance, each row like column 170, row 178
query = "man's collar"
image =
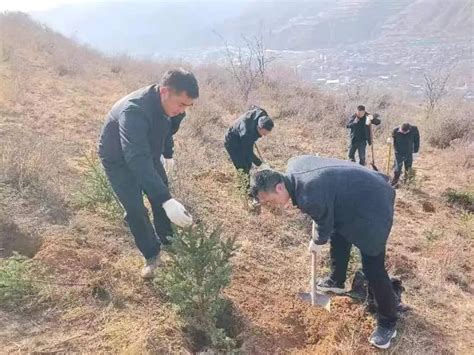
column 158, row 105
column 289, row 181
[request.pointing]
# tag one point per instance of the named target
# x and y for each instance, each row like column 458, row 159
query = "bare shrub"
column 452, row 123
column 32, row 166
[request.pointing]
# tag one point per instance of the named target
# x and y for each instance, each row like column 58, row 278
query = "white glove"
column 389, row 140
column 415, row 156
column 314, row 248
column 177, row 213
column 369, row 119
column 169, row 165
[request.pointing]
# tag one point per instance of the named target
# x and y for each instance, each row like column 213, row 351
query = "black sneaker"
column 381, row 337
column 328, row 285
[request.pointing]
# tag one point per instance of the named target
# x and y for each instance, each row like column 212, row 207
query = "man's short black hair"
column 265, row 122
column 406, row 127
column 265, row 181
column 361, row 108
column 181, row 80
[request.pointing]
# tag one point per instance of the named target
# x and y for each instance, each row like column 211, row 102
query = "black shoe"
column 381, row 337
column 328, row 285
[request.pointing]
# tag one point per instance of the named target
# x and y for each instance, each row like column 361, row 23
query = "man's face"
column 263, row 132
column 360, row 114
column 275, row 199
column 174, row 103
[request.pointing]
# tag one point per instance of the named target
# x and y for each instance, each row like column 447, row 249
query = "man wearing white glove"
column 139, row 131
column 359, row 127
column 406, row 144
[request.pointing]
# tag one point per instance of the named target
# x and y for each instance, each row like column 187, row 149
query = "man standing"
column 242, row 135
column 137, row 131
column 359, row 126
column 406, row 141
column 349, row 205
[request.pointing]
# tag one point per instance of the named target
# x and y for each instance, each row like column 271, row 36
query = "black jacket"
column 359, row 131
column 344, row 199
column 242, row 135
column 406, row 144
column 135, row 134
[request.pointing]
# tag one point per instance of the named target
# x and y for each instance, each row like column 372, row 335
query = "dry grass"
column 98, row 302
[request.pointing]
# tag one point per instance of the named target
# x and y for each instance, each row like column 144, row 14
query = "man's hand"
column 369, row 119
column 177, row 213
column 168, row 164
column 314, row 248
column 415, row 156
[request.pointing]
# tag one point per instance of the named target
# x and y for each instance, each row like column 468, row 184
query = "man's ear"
column 280, row 187
column 164, row 90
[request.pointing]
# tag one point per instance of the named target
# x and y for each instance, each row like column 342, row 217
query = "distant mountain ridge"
column 148, row 28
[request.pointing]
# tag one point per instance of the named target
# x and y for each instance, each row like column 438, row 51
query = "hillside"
column 89, row 297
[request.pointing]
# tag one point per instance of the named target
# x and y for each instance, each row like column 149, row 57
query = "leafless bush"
column 32, row 166
column 453, row 123
column 434, row 90
column 248, row 63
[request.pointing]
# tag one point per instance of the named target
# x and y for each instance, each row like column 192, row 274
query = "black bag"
column 361, row 291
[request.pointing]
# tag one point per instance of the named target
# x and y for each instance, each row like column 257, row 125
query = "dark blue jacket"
column 406, row 143
column 359, row 131
column 344, row 199
column 242, row 135
column 135, row 134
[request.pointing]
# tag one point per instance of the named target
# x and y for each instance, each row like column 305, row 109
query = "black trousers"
column 360, row 148
column 130, row 195
column 237, row 156
column 400, row 161
column 376, row 274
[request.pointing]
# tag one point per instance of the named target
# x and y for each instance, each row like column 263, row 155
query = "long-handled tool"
column 389, row 155
column 314, row 297
column 259, row 153
column 372, row 147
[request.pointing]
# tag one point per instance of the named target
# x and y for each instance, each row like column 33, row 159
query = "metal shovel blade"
column 314, row 297
column 318, row 299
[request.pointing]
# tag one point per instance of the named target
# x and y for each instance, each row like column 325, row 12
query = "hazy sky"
column 35, row 5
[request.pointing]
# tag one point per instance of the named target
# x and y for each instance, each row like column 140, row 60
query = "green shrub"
column 16, row 283
column 194, row 279
column 95, row 193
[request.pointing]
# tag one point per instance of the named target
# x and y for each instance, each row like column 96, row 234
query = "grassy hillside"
column 79, row 289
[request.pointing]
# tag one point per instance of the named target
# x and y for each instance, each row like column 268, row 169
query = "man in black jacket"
column 359, row 126
column 406, row 141
column 350, row 205
column 242, row 135
column 137, row 131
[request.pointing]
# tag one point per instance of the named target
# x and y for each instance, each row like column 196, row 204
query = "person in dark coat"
column 138, row 130
column 359, row 128
column 242, row 135
column 406, row 142
column 350, row 205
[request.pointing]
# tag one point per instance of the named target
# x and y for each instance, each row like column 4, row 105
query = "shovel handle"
column 314, row 261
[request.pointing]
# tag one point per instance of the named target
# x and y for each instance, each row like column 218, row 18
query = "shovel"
column 260, row 154
column 315, row 298
column 372, row 147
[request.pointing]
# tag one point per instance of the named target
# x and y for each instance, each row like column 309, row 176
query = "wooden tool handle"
column 314, row 261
